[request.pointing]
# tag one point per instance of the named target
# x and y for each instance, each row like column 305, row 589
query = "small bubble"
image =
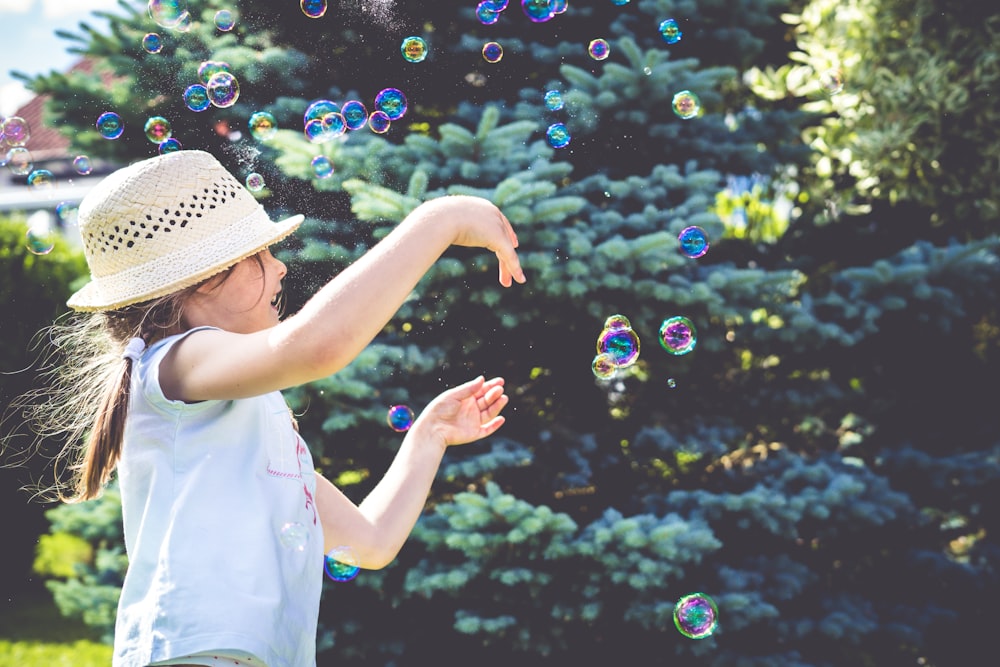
column 392, row 101
column 671, row 383
column 318, row 109
column 314, row 9
column 157, row 129
column 686, row 105
column 694, row 241
column 152, row 43
column 538, row 11
column 196, row 97
column 678, row 335
column 487, row 13
column 262, row 126
column 492, row 52
column 294, row 536
column 19, row 161
column 832, row 81
column 599, row 49
column 110, row 125
column 553, row 100
column 558, row 135
column 670, row 31
column 616, row 322
column 414, row 49
column 170, row 145
column 355, row 114
column 223, row 89
column 379, row 122
column 67, row 211
column 322, row 166
column 225, row 20
column 255, row 182
column 647, row 70
column 696, row 616
column 40, row 179
column 341, row 564
column 621, row 344
column 400, row 418
column 209, row 68
column 167, row 13
column 40, row 240
column 604, row 366
column 15, row 131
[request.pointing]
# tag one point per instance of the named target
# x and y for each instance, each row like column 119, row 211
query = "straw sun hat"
column 164, row 224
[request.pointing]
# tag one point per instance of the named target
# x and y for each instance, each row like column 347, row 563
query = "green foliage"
column 60, row 554
column 81, row 653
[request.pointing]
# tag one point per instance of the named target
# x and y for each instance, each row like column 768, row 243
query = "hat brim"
column 95, row 296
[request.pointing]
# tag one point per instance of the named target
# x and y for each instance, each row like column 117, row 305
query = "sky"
column 28, row 42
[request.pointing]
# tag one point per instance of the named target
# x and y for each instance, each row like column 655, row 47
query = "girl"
column 226, row 523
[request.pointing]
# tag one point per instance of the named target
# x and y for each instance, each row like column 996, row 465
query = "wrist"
column 427, row 438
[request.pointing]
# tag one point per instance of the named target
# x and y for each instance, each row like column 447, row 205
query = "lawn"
column 35, row 634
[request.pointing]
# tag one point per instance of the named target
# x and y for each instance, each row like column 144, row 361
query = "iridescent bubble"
column 553, row 100
column 322, row 166
column 313, row 8
column 262, row 125
column 167, row 13
column 832, row 81
column 538, row 11
column 255, row 182
column 110, row 125
column 16, row 131
column 696, row 616
column 616, row 322
column 184, row 25
column 67, row 212
column 40, row 240
column 400, row 418
column 694, row 241
column 492, row 52
column 40, row 179
column 294, row 536
column 152, row 43
column 225, row 20
column 486, row 13
column 672, row 383
column 621, row 344
column 498, row 5
column 157, row 129
column 81, row 164
column 318, row 109
column 379, row 122
column 392, row 101
column 19, row 161
column 316, row 132
column 414, row 49
column 686, row 105
column 223, row 89
column 558, row 135
column 559, row 6
column 170, row 145
column 599, row 49
column 196, row 97
column 678, row 335
column 341, row 564
column 355, row 114
column 334, row 124
column 670, row 31
column 619, row 3
column 209, row 68
column 604, row 366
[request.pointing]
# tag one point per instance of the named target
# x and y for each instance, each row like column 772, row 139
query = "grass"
column 35, row 634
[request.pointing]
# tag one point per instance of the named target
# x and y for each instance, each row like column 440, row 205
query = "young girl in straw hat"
column 189, row 356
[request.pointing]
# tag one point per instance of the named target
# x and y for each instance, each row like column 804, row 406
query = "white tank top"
column 225, row 548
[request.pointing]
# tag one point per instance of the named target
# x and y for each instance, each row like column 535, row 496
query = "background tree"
column 821, row 464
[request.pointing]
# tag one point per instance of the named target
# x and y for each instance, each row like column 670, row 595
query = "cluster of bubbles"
column 400, row 418
column 696, row 616
column 325, row 120
column 617, row 347
column 14, row 135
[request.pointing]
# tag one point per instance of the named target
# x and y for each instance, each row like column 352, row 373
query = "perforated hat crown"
column 166, row 223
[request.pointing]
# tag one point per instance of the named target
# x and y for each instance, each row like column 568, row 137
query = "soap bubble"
column 672, row 383
column 538, row 11
column 334, row 124
column 40, row 239
column 414, row 49
column 152, row 43
column 617, row 322
column 225, row 20
column 81, row 164
column 599, row 49
column 223, row 89
column 559, row 6
column 678, row 335
column 67, row 212
column 621, row 344
column 670, row 31
column 170, row 145
column 341, row 564
column 157, row 129
column 379, row 122
column 322, row 166
column 294, row 536
column 209, row 68
column 16, row 131
column 832, row 81
column 400, row 418
column 255, row 182
column 696, row 616
column 694, row 241
column 497, row 5
column 314, row 9
column 492, row 52
column 558, row 135
column 486, row 13
column 19, row 161
column 604, row 366
column 318, row 109
column 686, row 105
column 619, row 3
column 196, row 97
column 40, row 179
column 262, row 125
column 167, row 13
column 392, row 101
column 110, row 125
column 355, row 114
column 553, row 100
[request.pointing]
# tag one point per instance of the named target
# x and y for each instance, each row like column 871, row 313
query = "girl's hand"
column 465, row 413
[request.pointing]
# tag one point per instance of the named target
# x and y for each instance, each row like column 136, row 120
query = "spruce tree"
column 820, row 463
